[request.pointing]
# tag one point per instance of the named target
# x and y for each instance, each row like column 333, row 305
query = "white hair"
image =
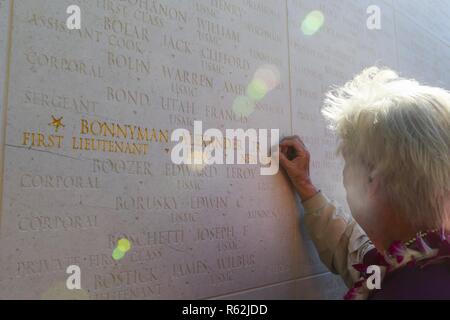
column 401, row 130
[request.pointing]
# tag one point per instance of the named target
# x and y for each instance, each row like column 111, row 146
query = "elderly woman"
column 395, row 140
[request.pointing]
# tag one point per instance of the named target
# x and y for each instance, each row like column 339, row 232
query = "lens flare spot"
column 118, row 254
column 257, row 89
column 313, row 22
column 269, row 75
column 59, row 291
column 124, row 245
column 265, row 79
column 196, row 156
column 243, row 106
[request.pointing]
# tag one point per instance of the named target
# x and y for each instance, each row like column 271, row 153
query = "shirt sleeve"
column 339, row 240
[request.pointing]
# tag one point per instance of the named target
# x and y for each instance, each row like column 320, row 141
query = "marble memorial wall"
column 86, row 119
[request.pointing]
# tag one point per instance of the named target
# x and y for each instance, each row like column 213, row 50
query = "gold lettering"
column 84, row 126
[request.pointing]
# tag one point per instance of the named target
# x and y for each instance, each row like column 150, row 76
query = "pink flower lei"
column 402, row 254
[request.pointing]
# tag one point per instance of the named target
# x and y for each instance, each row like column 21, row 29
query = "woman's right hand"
column 294, row 159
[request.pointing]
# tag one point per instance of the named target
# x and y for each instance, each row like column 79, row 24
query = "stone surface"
column 221, row 231
column 4, row 12
column 322, row 286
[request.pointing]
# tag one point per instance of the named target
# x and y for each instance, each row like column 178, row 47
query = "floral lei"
column 402, row 254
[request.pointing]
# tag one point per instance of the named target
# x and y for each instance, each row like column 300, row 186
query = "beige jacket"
column 339, row 240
